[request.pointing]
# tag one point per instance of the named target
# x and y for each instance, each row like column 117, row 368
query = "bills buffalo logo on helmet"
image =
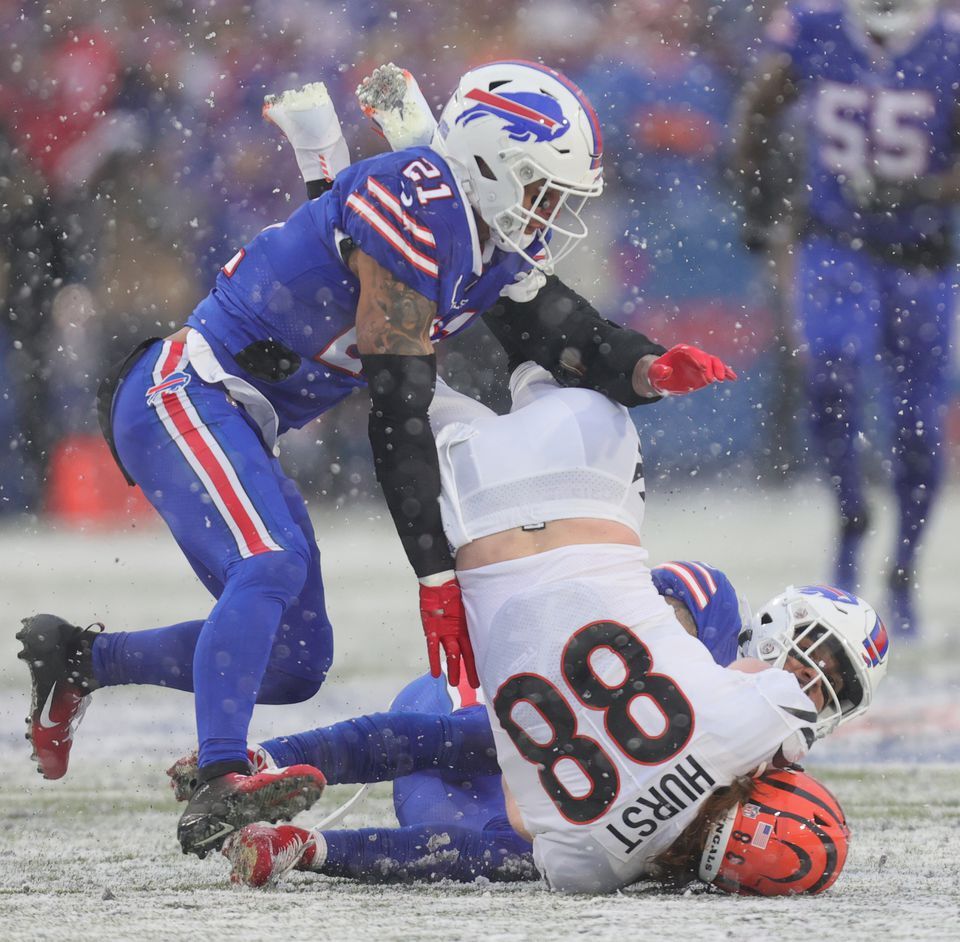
column 876, row 644
column 526, row 114
column 829, row 592
column 170, row 383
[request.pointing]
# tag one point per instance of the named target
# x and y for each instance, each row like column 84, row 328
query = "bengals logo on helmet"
column 789, row 837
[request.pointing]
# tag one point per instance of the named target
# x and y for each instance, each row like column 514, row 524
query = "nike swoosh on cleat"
column 225, row 829
column 44, row 719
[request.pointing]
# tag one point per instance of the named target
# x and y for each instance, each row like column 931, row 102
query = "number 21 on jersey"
column 611, row 693
column 422, row 170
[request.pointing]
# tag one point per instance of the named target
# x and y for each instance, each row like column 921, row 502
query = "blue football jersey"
column 291, row 287
column 885, row 111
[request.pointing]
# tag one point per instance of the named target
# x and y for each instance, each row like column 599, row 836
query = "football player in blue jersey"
column 387, row 257
column 875, row 284
column 436, row 745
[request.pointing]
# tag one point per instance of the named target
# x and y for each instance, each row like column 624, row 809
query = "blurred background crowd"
column 134, row 162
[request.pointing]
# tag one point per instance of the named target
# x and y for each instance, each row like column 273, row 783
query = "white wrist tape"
column 308, row 119
column 438, row 578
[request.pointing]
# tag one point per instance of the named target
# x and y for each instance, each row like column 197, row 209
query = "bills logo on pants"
column 172, row 383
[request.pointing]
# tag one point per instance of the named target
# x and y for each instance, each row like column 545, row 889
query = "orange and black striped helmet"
column 788, row 837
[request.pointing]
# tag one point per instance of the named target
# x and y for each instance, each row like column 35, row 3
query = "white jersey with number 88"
column 612, row 724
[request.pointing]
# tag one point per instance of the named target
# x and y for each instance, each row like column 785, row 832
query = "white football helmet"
column 887, row 19
column 833, row 632
column 510, row 124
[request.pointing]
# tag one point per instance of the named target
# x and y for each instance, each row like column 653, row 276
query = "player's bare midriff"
column 519, row 543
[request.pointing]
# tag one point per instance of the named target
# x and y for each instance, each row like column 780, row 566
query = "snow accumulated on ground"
column 94, row 856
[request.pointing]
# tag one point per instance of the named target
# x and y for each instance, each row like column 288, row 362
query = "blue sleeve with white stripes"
column 712, row 601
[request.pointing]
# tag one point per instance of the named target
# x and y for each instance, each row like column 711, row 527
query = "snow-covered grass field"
column 94, row 856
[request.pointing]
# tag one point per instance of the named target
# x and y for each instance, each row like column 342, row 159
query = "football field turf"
column 94, row 856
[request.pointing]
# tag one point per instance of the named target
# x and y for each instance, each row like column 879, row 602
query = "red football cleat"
column 260, row 854
column 61, row 679
column 52, row 729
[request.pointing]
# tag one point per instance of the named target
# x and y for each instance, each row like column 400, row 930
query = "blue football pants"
column 879, row 338
column 244, row 529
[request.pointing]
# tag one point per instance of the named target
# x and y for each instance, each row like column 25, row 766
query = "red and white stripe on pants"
column 208, row 460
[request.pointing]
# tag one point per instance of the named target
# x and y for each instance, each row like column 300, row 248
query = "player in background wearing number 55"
column 394, row 254
column 876, row 275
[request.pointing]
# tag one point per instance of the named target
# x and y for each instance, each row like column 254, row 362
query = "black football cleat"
column 229, row 802
column 184, row 774
column 58, row 655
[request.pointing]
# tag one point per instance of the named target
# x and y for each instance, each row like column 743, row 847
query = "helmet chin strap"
column 715, row 845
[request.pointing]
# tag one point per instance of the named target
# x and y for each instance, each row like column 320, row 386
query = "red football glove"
column 683, row 369
column 445, row 624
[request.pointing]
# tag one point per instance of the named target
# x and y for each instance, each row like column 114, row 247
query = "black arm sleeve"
column 317, row 188
column 405, row 454
column 564, row 334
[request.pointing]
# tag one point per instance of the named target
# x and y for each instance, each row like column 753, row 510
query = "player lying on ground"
column 447, row 785
column 599, row 701
column 397, row 252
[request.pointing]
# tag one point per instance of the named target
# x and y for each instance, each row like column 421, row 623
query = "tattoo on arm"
column 391, row 316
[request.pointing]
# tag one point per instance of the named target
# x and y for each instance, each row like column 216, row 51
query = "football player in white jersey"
column 600, row 702
column 624, row 746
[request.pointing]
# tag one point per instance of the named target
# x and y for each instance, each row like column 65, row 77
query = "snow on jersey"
column 282, row 314
column 887, row 113
column 612, row 724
